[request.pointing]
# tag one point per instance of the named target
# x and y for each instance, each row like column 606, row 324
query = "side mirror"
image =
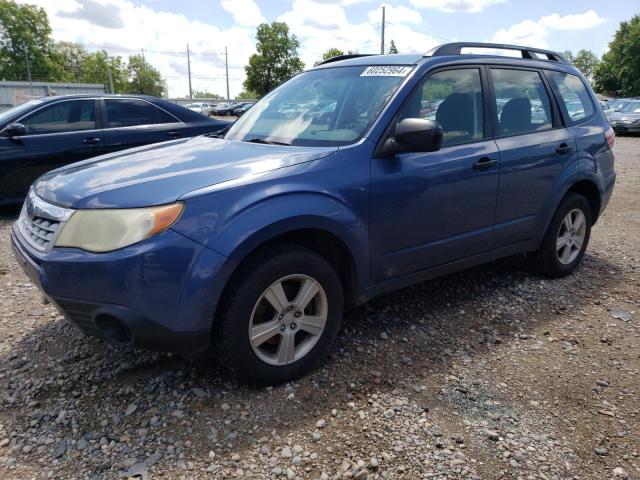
column 15, row 130
column 415, row 135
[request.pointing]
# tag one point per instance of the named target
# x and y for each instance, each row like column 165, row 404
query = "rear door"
column 56, row 134
column 534, row 147
column 132, row 122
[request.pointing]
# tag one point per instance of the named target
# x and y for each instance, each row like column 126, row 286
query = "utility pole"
column 382, row 34
column 110, row 77
column 143, row 59
column 189, row 72
column 26, row 60
column 226, row 68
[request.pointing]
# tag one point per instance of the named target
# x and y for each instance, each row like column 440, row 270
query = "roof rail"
column 347, row 56
column 527, row 52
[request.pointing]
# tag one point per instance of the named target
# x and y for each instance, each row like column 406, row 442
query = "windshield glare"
column 327, row 107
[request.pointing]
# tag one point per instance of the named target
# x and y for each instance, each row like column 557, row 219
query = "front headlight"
column 107, row 230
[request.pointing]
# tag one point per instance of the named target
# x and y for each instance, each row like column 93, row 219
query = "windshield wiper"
column 267, row 142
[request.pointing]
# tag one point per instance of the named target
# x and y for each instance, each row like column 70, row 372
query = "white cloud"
column 245, row 12
column 320, row 25
column 534, row 33
column 395, row 14
column 163, row 36
column 450, row 6
column 579, row 21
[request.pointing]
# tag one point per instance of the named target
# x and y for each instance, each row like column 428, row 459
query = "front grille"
column 39, row 232
column 40, row 222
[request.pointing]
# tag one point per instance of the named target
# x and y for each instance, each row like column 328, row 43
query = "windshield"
column 5, row 116
column 631, row 107
column 327, row 107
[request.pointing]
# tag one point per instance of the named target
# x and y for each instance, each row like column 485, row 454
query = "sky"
column 162, row 28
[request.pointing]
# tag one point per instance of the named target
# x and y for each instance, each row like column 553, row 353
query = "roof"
column 99, row 95
column 393, row 59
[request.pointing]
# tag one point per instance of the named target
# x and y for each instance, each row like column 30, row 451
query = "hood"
column 162, row 173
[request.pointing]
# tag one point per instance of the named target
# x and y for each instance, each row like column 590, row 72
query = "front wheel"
column 566, row 239
column 280, row 316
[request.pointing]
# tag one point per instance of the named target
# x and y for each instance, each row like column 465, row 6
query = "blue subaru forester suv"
column 359, row 176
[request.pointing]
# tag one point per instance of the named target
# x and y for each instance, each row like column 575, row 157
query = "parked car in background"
column 202, row 108
column 254, row 243
column 617, row 103
column 238, row 112
column 608, row 110
column 47, row 133
column 627, row 119
column 228, row 109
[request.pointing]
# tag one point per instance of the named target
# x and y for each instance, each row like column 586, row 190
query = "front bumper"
column 155, row 295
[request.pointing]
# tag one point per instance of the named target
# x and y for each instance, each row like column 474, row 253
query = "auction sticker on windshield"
column 386, row 71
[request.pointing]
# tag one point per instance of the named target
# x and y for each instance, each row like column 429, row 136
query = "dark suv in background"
column 47, row 133
column 362, row 175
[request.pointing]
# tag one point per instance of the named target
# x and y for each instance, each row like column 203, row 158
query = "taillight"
column 610, row 135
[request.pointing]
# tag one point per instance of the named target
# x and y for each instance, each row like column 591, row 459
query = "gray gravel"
column 491, row 373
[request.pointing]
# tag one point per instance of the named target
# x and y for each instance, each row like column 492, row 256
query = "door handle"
column 91, row 140
column 484, row 163
column 563, row 149
column 173, row 134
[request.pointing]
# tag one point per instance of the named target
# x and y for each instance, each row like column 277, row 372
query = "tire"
column 556, row 261
column 249, row 302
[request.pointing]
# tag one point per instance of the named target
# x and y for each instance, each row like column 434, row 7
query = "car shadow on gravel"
column 396, row 341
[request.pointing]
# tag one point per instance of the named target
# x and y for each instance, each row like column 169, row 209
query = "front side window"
column 575, row 100
column 70, row 116
column 132, row 112
column 522, row 102
column 325, row 107
column 453, row 98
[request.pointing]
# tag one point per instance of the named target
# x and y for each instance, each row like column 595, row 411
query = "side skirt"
column 403, row 281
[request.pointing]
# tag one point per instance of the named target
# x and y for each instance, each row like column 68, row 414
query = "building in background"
column 15, row 93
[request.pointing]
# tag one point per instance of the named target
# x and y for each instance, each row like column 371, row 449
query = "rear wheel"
column 566, row 239
column 280, row 315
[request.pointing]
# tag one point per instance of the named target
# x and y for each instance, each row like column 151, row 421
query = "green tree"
column 144, row 79
column 568, row 54
column 206, row 94
column 332, row 52
column 392, row 48
column 247, row 95
column 619, row 70
column 276, row 58
column 586, row 61
column 95, row 69
column 71, row 56
column 25, row 31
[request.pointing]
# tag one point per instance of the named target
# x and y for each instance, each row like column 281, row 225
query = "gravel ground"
column 494, row 372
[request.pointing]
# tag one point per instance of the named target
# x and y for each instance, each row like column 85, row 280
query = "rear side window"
column 522, row 102
column 70, row 116
column 131, row 113
column 575, row 101
column 454, row 99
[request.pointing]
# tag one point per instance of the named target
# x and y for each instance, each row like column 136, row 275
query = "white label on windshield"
column 386, row 71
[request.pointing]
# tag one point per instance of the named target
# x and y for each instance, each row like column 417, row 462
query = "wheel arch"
column 588, row 189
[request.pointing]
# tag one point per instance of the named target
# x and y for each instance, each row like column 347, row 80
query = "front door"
column 56, row 135
column 433, row 208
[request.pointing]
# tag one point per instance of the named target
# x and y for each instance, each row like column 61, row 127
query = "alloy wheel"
column 571, row 236
column 288, row 319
